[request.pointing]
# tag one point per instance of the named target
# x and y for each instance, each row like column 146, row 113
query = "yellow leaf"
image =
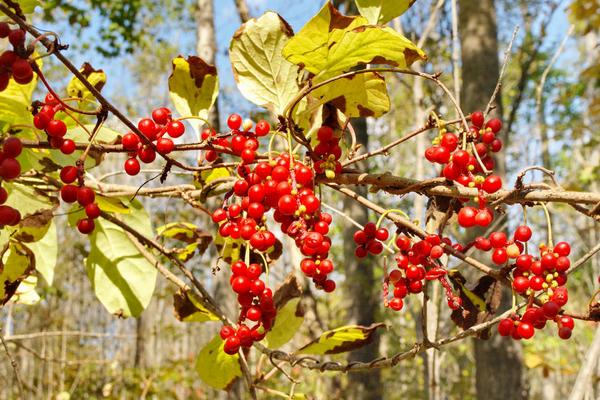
column 341, row 340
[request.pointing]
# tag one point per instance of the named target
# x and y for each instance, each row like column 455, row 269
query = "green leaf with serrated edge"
column 288, row 321
column 122, row 279
column 25, row 293
column 193, row 87
column 380, row 12
column 262, row 74
column 45, row 251
column 361, row 95
column 96, row 77
column 341, row 340
column 309, row 47
column 331, row 43
column 187, row 309
column 17, row 263
column 215, row 367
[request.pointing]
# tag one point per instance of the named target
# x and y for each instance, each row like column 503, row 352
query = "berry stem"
column 548, row 223
column 384, row 214
column 483, row 168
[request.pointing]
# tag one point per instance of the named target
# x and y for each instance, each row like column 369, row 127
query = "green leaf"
column 288, row 321
column 196, row 238
column 45, row 251
column 215, row 367
column 210, row 175
column 380, row 12
column 189, row 309
column 112, row 204
column 341, row 340
column 28, row 200
column 122, row 279
column 193, row 86
column 15, row 101
column 262, row 74
column 331, row 43
column 17, row 263
column 361, row 95
column 96, row 77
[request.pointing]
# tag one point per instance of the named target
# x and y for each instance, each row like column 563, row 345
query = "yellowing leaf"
column 193, row 87
column 287, row 323
column 210, row 175
column 215, row 367
column 331, row 43
column 96, row 77
column 310, row 46
column 25, row 293
column 189, row 309
column 262, row 74
column 380, row 12
column 17, row 263
column 112, row 204
column 361, row 95
column 341, row 340
column 45, row 251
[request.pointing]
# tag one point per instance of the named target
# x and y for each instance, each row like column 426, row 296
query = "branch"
column 243, row 11
column 14, row 365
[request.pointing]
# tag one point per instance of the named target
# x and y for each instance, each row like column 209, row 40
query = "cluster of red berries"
column 55, row 129
column 503, row 248
column 11, row 62
column 257, row 307
column 10, row 168
column 327, row 153
column 242, row 141
column 462, row 166
column 546, row 273
column 416, row 263
column 369, row 240
column 80, row 193
column 523, row 327
column 154, row 130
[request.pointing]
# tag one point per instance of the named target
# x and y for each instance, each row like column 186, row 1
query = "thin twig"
column 507, row 52
column 14, row 365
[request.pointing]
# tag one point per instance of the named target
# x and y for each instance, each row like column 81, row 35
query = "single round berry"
column 69, row 193
column 85, row 196
column 68, row 174
column 466, row 216
column 10, row 169
column 165, row 145
column 56, row 128
column 231, row 345
column 86, row 225
column 161, row 115
column 92, row 210
column 262, row 128
column 523, row 233
column 67, row 147
column 477, row 119
column 12, row 147
column 130, row 141
column 175, row 129
column 234, row 121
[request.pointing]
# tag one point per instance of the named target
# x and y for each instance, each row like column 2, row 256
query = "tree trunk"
column 498, row 363
column 206, row 46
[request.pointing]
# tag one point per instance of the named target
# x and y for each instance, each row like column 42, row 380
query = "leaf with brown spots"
column 361, row 95
column 340, row 340
column 193, row 87
column 188, row 309
column 96, row 77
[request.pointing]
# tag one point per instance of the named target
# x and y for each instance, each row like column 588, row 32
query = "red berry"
column 382, row 234
column 68, row 174
column 148, row 128
column 165, row 145
column 562, row 249
column 526, row 331
column 226, row 331
column 130, row 141
column 494, row 124
column 69, row 193
column 86, row 225
column 41, row 119
column 523, row 233
column 550, row 309
column 253, row 313
column 396, row 304
column 466, row 216
column 67, row 146
column 492, row 184
column 16, row 37
column 85, row 196
column 477, row 119
column 56, row 128
column 4, row 29
column 287, row 204
column 484, row 217
column 449, row 141
column 231, row 345
column 262, row 128
column 499, row 256
column 175, row 129
column 161, row 115
column 328, row 285
column 92, row 210
column 566, row 321
column 564, row 333
column 132, row 166
column 240, row 284
column 21, row 68
column 10, row 169
column 234, row 121
column 12, row 147
column 3, row 195
column 498, row 239
column 520, row 284
column 146, row 154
